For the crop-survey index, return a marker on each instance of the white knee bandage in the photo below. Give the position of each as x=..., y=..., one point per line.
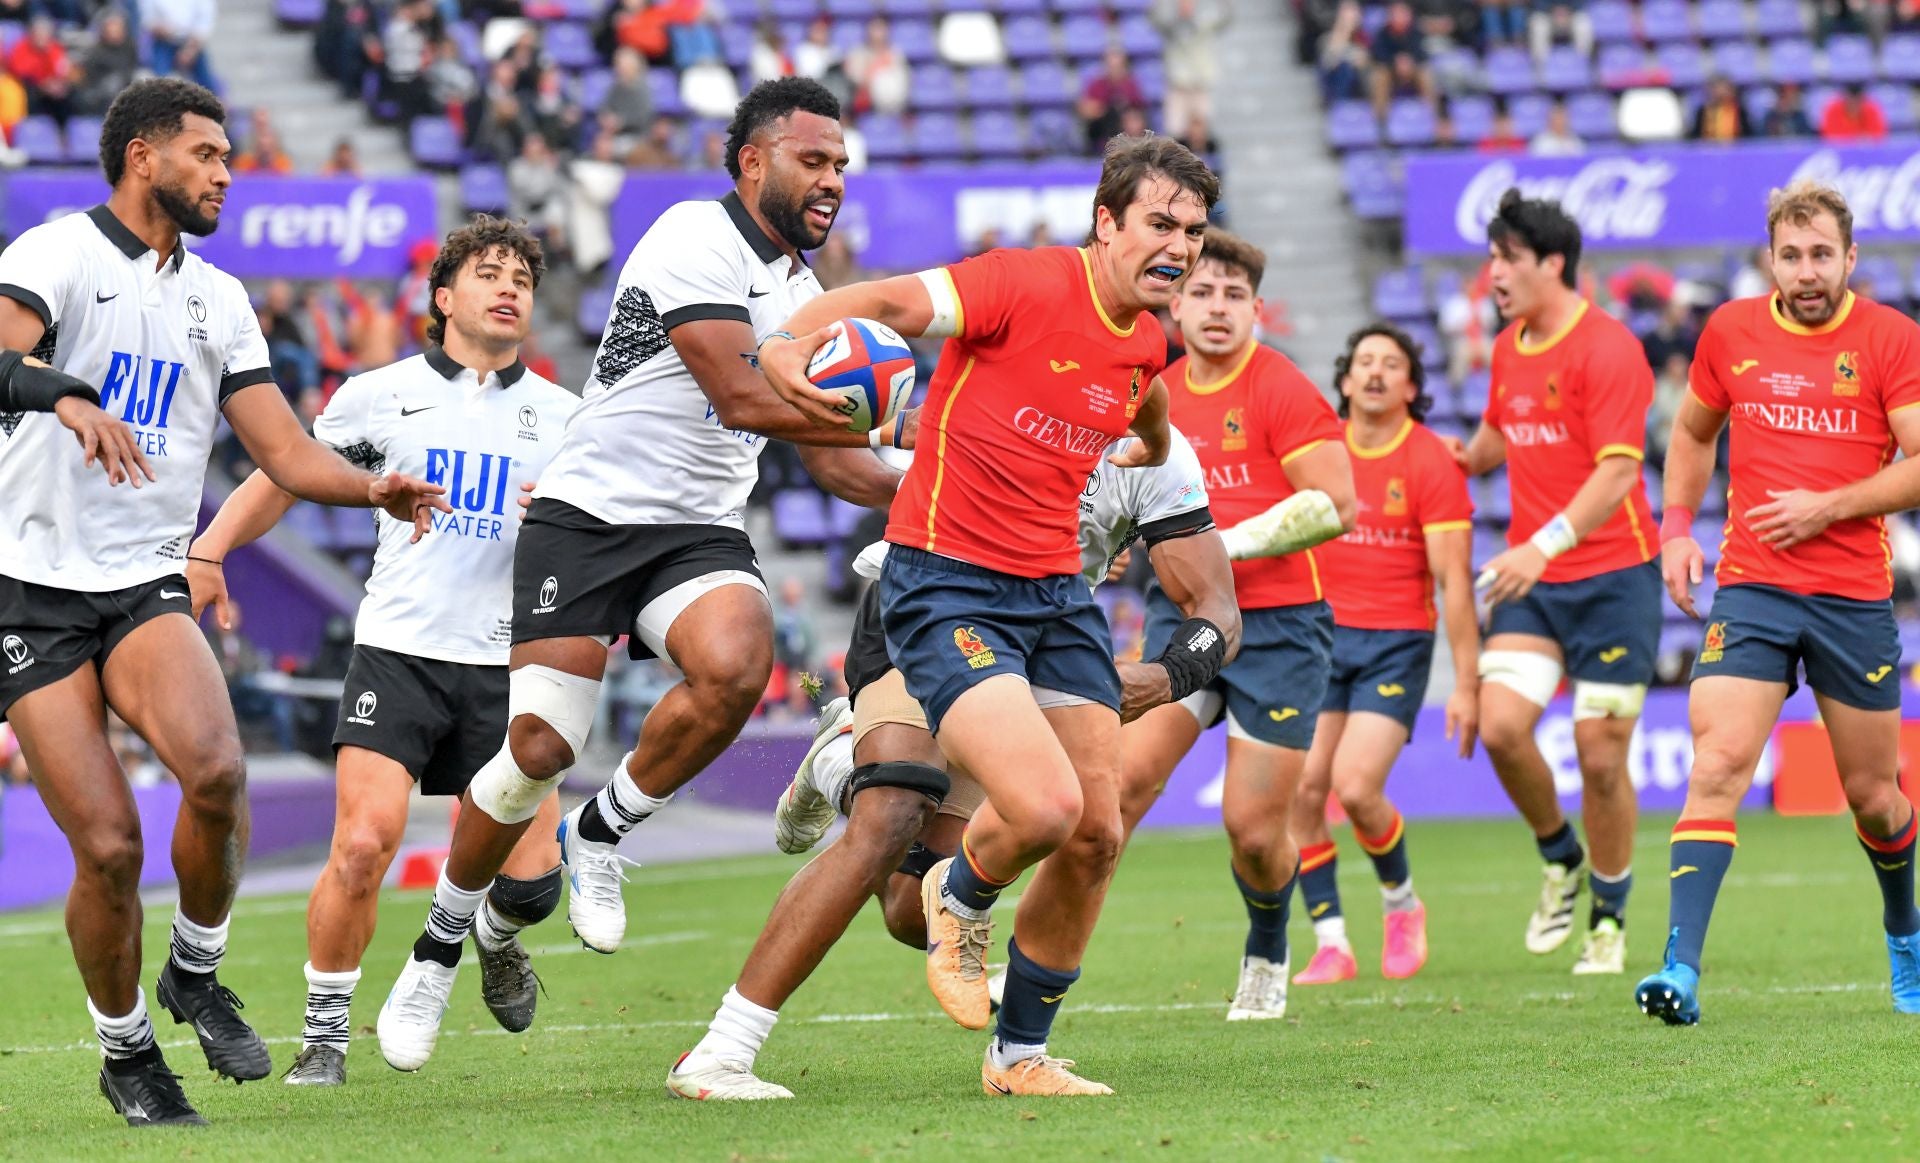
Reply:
x=564, y=702
x=1205, y=706
x=504, y=792
x=1607, y=700
x=1534, y=677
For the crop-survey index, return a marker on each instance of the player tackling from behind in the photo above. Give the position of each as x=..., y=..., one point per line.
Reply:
x=1051, y=355
x=1414, y=529
x=94, y=612
x=1576, y=593
x=426, y=692
x=1818, y=388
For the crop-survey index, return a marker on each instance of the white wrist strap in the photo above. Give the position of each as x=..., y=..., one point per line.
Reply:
x=1555, y=537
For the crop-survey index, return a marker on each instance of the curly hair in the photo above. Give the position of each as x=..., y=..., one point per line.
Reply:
x=1542, y=226
x=482, y=235
x=1416, y=370
x=771, y=101
x=152, y=110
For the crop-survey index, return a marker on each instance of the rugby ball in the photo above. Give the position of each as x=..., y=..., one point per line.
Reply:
x=870, y=367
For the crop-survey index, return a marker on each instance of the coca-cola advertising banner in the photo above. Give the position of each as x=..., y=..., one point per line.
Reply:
x=1677, y=196
x=287, y=227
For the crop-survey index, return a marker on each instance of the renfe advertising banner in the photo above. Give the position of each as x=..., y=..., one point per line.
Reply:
x=271, y=227
x=1665, y=197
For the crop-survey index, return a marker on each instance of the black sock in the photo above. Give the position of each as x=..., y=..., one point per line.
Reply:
x=594, y=826
x=445, y=952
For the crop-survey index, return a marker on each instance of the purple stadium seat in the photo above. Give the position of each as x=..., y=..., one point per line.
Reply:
x=1472, y=117
x=595, y=84
x=1791, y=60
x=1565, y=70
x=1152, y=75
x=1773, y=18
x=1084, y=38
x=40, y=139
x=588, y=10
x=1881, y=275
x=886, y=137
x=1055, y=131
x=1683, y=62
x=1126, y=6
x=1738, y=61
x=801, y=10
x=1076, y=7
x=299, y=13
x=907, y=10
x=1621, y=65
x=1044, y=85
x=915, y=40
x=1719, y=20
x=83, y=137
x=1473, y=393
x=1139, y=37
x=1759, y=101
x=1662, y=20
x=570, y=45
x=1509, y=70
x=934, y=89
x=1612, y=21
x=1461, y=64
x=433, y=141
x=1818, y=97
x=1529, y=112
x=1373, y=187
x=1351, y=125
x=1896, y=101
x=800, y=517
x=1850, y=60
x=483, y=188
x=468, y=38
x=842, y=516
x=736, y=45
x=937, y=137
x=988, y=88
x=664, y=85
x=1592, y=117
x=1409, y=123
x=1900, y=58
x=852, y=9
x=1009, y=7
x=998, y=135
x=848, y=35
x=1401, y=294
x=1028, y=38
x=10, y=33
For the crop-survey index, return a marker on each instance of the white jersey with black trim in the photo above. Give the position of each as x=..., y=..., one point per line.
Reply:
x=646, y=446
x=1119, y=505
x=448, y=596
x=166, y=343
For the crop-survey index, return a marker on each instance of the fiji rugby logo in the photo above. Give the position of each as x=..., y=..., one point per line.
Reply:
x=16, y=651
x=977, y=653
x=363, y=708
x=549, y=591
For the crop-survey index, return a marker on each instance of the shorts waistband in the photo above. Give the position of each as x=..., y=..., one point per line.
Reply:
x=921, y=559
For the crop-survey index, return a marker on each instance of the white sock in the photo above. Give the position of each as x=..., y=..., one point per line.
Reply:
x=738, y=1030
x=833, y=770
x=451, y=916
x=198, y=948
x=1399, y=898
x=964, y=912
x=329, y=996
x=492, y=928
x=622, y=804
x=1331, y=932
x=124, y=1036
x=1006, y=1053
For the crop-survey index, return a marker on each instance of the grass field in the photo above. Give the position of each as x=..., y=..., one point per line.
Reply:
x=1489, y=1053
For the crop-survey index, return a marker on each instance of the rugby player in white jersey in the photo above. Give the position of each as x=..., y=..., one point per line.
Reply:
x=94, y=612
x=637, y=528
x=906, y=808
x=426, y=693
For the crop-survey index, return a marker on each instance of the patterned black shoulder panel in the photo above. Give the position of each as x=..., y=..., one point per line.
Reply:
x=634, y=336
x=364, y=455
x=42, y=351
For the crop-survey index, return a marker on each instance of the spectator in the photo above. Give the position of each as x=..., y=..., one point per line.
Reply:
x=1502, y=22
x=593, y=182
x=1106, y=96
x=794, y=637
x=177, y=32
x=241, y=664
x=344, y=161
x=538, y=190
x=641, y=27
x=1788, y=117
x=1675, y=333
x=374, y=328
x=1503, y=138
x=1446, y=135
x=1189, y=29
x=527, y=61
x=556, y=116
x=1343, y=55
x=1853, y=117
x=692, y=31
x=878, y=72
x=451, y=84
x=713, y=152
x=108, y=65
x=1721, y=116
x=1754, y=279
x=770, y=59
x=815, y=56
x=1557, y=139
x=659, y=150
x=1669, y=389
x=263, y=153
x=1198, y=137
x=1470, y=322
x=339, y=43
x=629, y=103
x=1133, y=122
x=1831, y=16
x=404, y=50
x=835, y=265
x=39, y=61
x=1560, y=22
x=295, y=367
x=501, y=123
x=1399, y=60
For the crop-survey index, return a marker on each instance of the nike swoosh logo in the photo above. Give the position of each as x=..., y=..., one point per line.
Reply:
x=171, y=594
x=1283, y=714
x=1745, y=366
x=1681, y=871
x=1894, y=867
x=100, y=298
x=1319, y=910
x=417, y=411
x=1062, y=367
x=933, y=948
x=1877, y=675
x=1613, y=654
x=1051, y=1000
x=998, y=1087
x=752, y=294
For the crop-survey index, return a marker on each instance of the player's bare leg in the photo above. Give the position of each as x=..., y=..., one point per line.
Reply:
x=164, y=681
x=1866, y=752
x=1610, y=809
x=371, y=794
x=1150, y=748
x=1256, y=805
x=900, y=903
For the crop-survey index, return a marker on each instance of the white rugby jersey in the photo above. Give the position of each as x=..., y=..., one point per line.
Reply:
x=166, y=348
x=645, y=447
x=448, y=596
x=1119, y=504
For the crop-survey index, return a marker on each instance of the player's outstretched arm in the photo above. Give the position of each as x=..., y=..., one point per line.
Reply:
x=902, y=303
x=1485, y=452
x=1796, y=515
x=249, y=511
x=852, y=474
x=28, y=385
x=1688, y=473
x=308, y=469
x=1450, y=559
x=719, y=353
x=1196, y=576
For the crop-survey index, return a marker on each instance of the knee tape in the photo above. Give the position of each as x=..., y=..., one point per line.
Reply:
x=504, y=792
x=1607, y=700
x=1534, y=677
x=564, y=702
x=527, y=901
x=928, y=781
x=920, y=859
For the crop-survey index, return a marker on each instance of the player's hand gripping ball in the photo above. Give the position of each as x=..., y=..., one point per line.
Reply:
x=870, y=367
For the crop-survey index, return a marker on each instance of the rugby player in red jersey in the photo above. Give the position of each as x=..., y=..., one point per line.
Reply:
x=1819, y=388
x=1267, y=438
x=1051, y=354
x=1414, y=528
x=1576, y=592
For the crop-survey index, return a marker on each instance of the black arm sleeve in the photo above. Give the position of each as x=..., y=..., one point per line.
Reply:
x=26, y=387
x=1193, y=657
x=1179, y=525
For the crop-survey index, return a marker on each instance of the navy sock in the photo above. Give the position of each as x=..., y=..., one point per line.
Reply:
x=1388, y=853
x=968, y=885
x=1892, y=858
x=1609, y=897
x=1266, y=918
x=1319, y=866
x=1696, y=864
x=1031, y=999
x=1562, y=848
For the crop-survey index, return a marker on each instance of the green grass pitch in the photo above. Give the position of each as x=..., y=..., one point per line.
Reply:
x=1489, y=1054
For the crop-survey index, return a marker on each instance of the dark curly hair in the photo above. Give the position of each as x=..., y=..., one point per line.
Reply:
x=1541, y=226
x=482, y=235
x=152, y=110
x=1416, y=370
x=771, y=101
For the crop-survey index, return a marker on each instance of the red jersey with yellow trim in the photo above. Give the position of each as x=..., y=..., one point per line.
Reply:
x=1807, y=409
x=1032, y=387
x=1377, y=576
x=1245, y=428
x=1564, y=404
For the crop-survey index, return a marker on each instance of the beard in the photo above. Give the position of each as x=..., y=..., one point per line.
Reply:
x=788, y=217
x=1813, y=315
x=183, y=212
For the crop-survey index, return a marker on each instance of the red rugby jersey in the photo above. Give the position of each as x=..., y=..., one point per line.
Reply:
x=1808, y=409
x=1377, y=577
x=1031, y=389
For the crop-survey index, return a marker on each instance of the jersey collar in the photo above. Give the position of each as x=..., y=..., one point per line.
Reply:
x=1778, y=310
x=440, y=361
x=765, y=249
x=127, y=241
